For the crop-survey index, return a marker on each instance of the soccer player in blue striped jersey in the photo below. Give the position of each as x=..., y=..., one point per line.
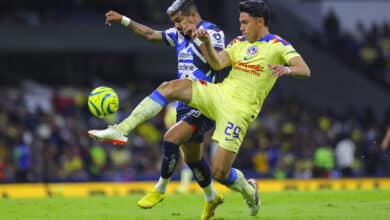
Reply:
x=258, y=59
x=191, y=124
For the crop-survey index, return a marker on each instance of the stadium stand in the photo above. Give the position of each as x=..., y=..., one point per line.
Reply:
x=67, y=50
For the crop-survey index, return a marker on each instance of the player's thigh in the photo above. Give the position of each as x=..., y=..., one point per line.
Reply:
x=230, y=129
x=192, y=151
x=222, y=162
x=205, y=97
x=179, y=133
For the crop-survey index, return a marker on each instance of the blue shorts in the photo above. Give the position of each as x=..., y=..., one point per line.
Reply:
x=200, y=123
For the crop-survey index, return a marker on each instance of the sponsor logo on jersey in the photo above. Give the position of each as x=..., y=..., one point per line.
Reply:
x=183, y=55
x=248, y=68
x=186, y=67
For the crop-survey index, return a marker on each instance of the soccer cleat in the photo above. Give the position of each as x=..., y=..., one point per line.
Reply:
x=110, y=134
x=254, y=202
x=209, y=207
x=151, y=199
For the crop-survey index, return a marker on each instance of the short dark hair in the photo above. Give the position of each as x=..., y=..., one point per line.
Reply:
x=185, y=6
x=256, y=8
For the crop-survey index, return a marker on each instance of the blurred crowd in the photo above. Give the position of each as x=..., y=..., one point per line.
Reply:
x=43, y=139
x=37, y=12
x=366, y=49
x=47, y=11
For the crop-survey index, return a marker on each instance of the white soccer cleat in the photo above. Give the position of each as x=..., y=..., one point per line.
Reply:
x=110, y=134
x=254, y=200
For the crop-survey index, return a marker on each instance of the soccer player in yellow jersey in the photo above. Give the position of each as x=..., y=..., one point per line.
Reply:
x=258, y=59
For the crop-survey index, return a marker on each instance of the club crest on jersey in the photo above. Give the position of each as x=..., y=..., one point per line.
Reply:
x=252, y=50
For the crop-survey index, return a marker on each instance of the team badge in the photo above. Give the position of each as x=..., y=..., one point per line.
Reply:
x=252, y=50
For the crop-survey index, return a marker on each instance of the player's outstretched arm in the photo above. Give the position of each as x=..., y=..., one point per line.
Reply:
x=218, y=60
x=141, y=30
x=297, y=68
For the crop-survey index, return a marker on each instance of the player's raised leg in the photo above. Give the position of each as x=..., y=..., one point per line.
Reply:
x=146, y=109
x=234, y=179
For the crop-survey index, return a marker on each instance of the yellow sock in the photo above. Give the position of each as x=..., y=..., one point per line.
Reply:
x=145, y=110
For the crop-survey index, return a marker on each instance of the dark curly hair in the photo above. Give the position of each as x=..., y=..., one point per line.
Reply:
x=256, y=8
x=185, y=6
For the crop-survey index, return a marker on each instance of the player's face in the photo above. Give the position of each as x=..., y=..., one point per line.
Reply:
x=181, y=21
x=250, y=26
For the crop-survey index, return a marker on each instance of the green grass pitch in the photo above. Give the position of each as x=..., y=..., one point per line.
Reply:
x=324, y=204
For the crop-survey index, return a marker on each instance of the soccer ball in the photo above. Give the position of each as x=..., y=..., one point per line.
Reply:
x=103, y=101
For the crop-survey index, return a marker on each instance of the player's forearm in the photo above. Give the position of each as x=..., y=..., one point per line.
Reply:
x=143, y=31
x=301, y=71
x=298, y=68
x=212, y=57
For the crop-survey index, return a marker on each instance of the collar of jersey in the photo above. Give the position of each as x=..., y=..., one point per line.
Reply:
x=267, y=38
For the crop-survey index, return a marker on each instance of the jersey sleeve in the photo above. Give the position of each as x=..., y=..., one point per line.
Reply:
x=217, y=38
x=288, y=52
x=231, y=48
x=170, y=37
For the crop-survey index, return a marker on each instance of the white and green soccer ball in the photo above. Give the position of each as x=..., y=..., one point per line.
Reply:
x=103, y=101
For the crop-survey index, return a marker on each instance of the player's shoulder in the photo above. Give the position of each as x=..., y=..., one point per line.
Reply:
x=237, y=40
x=171, y=30
x=275, y=39
x=210, y=26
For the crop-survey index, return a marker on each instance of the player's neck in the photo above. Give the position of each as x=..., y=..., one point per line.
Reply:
x=262, y=33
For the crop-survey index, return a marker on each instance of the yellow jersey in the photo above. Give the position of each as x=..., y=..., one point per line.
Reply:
x=250, y=79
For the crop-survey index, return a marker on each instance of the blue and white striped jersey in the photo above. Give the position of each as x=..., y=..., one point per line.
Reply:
x=190, y=62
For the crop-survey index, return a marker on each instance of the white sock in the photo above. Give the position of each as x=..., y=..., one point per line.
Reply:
x=209, y=192
x=162, y=184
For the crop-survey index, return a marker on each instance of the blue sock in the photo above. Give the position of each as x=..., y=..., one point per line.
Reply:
x=157, y=97
x=170, y=158
x=231, y=179
x=201, y=172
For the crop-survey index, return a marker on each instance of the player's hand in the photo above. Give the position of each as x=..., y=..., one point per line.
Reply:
x=189, y=29
x=113, y=16
x=279, y=70
x=202, y=34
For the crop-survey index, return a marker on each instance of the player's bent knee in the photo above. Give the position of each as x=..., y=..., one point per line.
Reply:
x=165, y=89
x=172, y=137
x=181, y=89
x=173, y=89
